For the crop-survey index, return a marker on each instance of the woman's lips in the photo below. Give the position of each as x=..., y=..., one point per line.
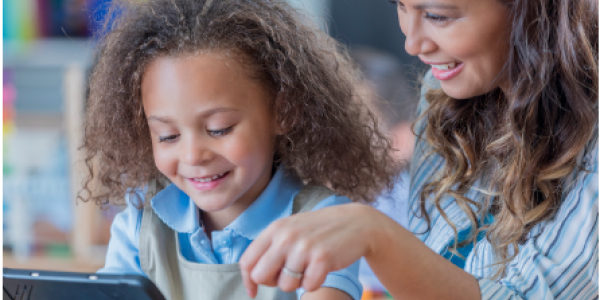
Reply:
x=447, y=74
x=208, y=184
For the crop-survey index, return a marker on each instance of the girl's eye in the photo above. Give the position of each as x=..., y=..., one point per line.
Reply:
x=436, y=18
x=220, y=132
x=168, y=139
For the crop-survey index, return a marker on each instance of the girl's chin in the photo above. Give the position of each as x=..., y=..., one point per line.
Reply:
x=212, y=206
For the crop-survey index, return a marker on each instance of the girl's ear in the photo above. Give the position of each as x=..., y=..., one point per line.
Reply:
x=277, y=126
x=279, y=130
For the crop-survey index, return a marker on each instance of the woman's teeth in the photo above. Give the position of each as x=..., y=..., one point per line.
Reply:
x=215, y=177
x=445, y=67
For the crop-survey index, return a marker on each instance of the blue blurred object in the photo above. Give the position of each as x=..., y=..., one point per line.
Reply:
x=25, y=20
x=396, y=207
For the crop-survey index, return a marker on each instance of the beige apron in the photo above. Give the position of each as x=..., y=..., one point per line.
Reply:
x=179, y=279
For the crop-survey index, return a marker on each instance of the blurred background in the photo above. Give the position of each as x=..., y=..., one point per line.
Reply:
x=47, y=46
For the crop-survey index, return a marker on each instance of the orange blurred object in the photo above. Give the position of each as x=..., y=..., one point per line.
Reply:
x=373, y=295
x=8, y=113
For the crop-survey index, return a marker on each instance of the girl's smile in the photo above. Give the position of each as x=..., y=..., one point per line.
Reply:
x=208, y=183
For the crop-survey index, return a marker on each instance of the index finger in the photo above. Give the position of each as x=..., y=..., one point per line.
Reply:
x=250, y=257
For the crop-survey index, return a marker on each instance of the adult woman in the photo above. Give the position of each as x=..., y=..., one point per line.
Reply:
x=507, y=149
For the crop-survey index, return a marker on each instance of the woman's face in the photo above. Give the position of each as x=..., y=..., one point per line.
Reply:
x=465, y=41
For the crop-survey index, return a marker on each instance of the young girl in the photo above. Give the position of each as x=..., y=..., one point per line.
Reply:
x=215, y=119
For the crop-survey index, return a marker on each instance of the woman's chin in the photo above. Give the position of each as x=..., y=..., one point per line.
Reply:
x=457, y=92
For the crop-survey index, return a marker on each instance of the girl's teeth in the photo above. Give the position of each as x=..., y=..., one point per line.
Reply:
x=209, y=179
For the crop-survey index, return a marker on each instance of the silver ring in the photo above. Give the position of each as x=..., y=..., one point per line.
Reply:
x=288, y=272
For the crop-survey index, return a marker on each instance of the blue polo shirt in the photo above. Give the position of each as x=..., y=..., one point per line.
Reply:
x=178, y=211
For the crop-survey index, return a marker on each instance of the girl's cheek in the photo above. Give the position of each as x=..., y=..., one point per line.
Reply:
x=164, y=162
x=248, y=151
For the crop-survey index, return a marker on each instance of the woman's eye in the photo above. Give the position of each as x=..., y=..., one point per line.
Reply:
x=436, y=18
x=397, y=3
x=168, y=139
x=220, y=132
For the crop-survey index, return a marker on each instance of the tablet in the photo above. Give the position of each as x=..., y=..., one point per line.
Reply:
x=49, y=285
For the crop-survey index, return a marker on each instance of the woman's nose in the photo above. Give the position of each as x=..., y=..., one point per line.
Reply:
x=417, y=46
x=417, y=42
x=196, y=153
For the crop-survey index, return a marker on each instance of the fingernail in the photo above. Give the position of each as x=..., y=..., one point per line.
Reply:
x=248, y=292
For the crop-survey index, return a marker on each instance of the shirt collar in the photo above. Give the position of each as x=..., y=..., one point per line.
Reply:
x=178, y=211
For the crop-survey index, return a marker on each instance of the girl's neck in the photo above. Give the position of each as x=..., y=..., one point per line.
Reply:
x=218, y=220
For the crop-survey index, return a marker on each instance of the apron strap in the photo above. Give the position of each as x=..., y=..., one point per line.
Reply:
x=148, y=219
x=309, y=197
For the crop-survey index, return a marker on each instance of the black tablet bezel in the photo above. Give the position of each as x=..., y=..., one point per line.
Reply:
x=82, y=280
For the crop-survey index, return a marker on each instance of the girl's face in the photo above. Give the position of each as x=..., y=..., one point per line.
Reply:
x=212, y=129
x=465, y=41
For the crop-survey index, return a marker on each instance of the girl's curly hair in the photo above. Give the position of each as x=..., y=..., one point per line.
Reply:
x=330, y=137
x=526, y=139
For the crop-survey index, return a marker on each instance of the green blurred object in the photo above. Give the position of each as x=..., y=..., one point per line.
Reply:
x=58, y=250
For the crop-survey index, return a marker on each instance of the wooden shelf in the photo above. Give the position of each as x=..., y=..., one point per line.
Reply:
x=49, y=264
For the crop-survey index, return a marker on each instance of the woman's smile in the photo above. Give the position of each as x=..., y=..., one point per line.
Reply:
x=445, y=71
x=465, y=42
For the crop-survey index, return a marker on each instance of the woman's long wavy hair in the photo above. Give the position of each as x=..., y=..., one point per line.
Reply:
x=330, y=137
x=525, y=139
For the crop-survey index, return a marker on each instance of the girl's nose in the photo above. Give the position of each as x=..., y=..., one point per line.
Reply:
x=195, y=153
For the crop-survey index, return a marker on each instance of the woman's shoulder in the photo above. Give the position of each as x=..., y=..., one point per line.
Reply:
x=586, y=166
x=589, y=156
x=427, y=83
x=423, y=156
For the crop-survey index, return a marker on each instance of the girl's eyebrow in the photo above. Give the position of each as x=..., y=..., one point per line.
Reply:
x=215, y=110
x=159, y=119
x=204, y=114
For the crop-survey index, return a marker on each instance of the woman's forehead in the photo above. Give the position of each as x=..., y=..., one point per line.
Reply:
x=446, y=4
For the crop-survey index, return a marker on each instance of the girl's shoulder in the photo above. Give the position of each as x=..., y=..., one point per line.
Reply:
x=320, y=197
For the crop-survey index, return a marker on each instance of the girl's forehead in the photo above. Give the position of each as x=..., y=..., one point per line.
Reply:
x=200, y=81
x=239, y=62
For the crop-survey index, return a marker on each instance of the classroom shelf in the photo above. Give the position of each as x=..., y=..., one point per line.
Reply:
x=49, y=264
x=50, y=79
